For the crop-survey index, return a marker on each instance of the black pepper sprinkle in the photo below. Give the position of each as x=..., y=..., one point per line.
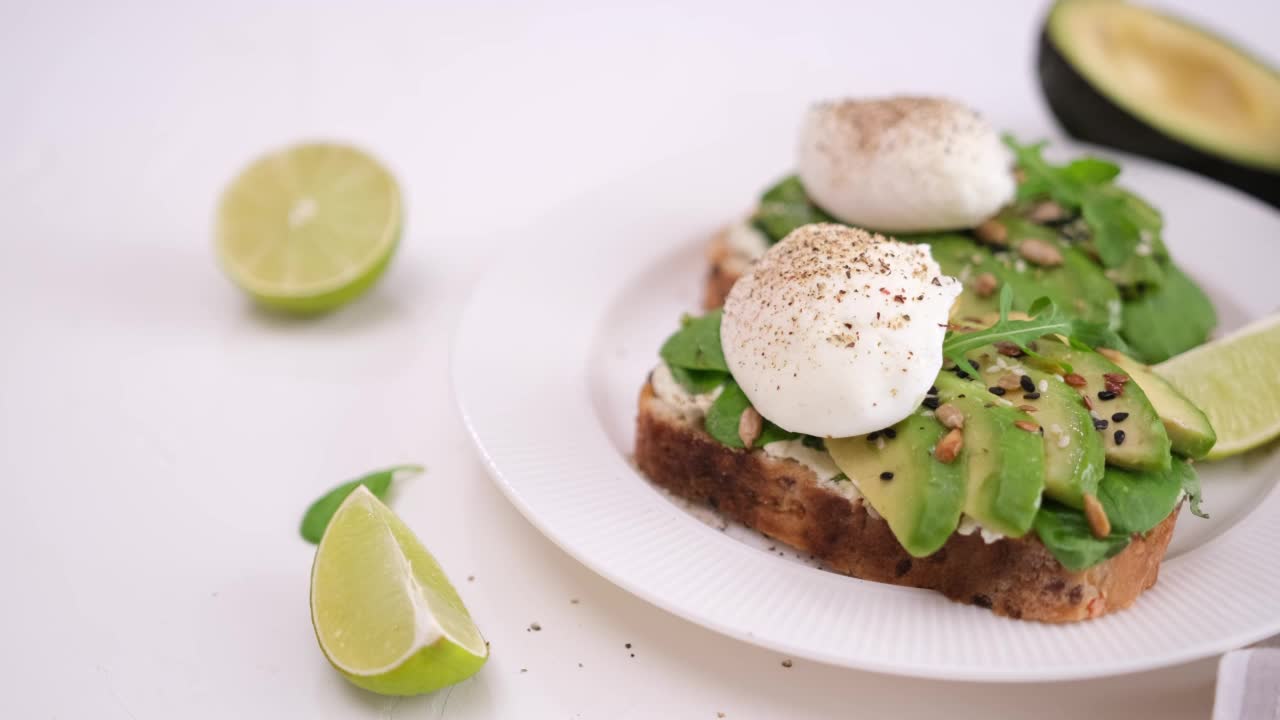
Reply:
x=1120, y=416
x=1100, y=424
x=996, y=390
x=1027, y=383
x=786, y=663
x=1119, y=436
x=886, y=475
x=1031, y=396
x=1106, y=395
x=628, y=646
x=890, y=433
x=932, y=403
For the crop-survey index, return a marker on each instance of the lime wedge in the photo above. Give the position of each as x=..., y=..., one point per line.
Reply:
x=308, y=228
x=384, y=613
x=1236, y=382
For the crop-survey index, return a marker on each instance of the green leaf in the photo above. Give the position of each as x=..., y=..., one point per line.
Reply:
x=785, y=207
x=1065, y=532
x=1091, y=335
x=1091, y=170
x=1046, y=321
x=1067, y=190
x=772, y=433
x=698, y=382
x=1191, y=485
x=1137, y=501
x=1168, y=320
x=725, y=413
x=1115, y=233
x=321, y=511
x=696, y=345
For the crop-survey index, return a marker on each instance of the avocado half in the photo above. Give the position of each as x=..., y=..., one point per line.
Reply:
x=1125, y=76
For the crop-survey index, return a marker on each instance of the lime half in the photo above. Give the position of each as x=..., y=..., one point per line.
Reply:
x=384, y=613
x=1236, y=382
x=310, y=227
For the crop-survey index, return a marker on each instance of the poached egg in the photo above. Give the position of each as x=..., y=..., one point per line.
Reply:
x=836, y=331
x=904, y=164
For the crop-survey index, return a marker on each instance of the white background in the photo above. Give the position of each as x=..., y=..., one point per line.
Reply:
x=159, y=438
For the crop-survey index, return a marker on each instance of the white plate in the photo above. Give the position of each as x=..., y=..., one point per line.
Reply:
x=557, y=340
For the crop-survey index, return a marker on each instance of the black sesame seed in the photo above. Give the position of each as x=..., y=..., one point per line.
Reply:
x=886, y=475
x=931, y=402
x=1119, y=436
x=873, y=436
x=933, y=390
x=1106, y=395
x=962, y=374
x=1027, y=383
x=1099, y=424
x=890, y=433
x=974, y=364
x=1031, y=396
x=995, y=390
x=1120, y=416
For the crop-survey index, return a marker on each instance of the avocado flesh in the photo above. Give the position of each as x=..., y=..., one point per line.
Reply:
x=1146, y=443
x=1005, y=464
x=1077, y=286
x=1128, y=77
x=923, y=501
x=1190, y=433
x=1074, y=455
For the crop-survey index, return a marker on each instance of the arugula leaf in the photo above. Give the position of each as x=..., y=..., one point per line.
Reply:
x=1168, y=320
x=317, y=517
x=1065, y=532
x=1191, y=485
x=1137, y=501
x=1046, y=320
x=785, y=207
x=696, y=345
x=698, y=381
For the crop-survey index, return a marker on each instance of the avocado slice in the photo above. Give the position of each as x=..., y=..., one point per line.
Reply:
x=1074, y=455
x=1190, y=433
x=1005, y=463
x=1138, y=80
x=1078, y=286
x=918, y=496
x=1133, y=435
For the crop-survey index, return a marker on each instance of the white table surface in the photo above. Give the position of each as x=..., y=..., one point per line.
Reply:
x=159, y=438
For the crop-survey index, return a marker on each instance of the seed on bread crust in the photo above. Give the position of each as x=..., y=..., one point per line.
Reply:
x=750, y=425
x=1027, y=425
x=1009, y=381
x=949, y=446
x=1099, y=524
x=1040, y=252
x=1074, y=380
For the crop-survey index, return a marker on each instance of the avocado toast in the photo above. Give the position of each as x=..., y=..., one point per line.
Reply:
x=1001, y=461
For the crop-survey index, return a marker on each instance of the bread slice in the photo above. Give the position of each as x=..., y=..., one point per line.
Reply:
x=785, y=500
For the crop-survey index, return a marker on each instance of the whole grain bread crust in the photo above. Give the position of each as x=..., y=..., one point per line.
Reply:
x=783, y=499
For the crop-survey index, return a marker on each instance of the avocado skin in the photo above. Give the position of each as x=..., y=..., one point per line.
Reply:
x=1085, y=113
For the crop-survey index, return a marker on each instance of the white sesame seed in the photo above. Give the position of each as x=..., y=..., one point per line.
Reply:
x=1044, y=386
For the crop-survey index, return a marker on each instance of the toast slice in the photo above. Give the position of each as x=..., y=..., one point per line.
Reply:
x=785, y=500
